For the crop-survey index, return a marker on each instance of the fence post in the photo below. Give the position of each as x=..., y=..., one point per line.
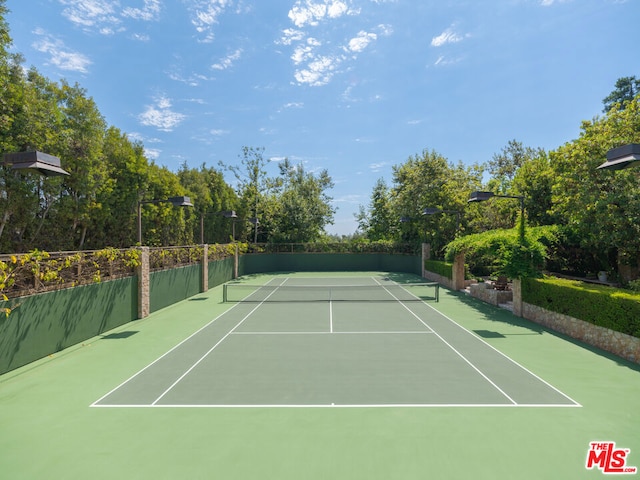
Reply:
x=235, y=262
x=426, y=255
x=516, y=286
x=142, y=271
x=205, y=269
x=458, y=272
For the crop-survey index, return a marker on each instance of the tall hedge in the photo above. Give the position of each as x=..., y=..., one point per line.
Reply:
x=444, y=269
x=607, y=307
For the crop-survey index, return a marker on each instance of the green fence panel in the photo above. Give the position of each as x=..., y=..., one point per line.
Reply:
x=401, y=263
x=220, y=271
x=328, y=262
x=167, y=287
x=49, y=322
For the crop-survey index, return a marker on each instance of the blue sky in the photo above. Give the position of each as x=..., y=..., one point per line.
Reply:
x=351, y=86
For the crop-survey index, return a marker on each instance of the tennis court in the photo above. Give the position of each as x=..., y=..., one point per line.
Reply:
x=335, y=375
x=351, y=342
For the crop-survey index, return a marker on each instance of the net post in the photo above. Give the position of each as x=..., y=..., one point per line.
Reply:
x=437, y=292
x=224, y=293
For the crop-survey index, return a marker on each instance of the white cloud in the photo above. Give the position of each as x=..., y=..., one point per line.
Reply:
x=106, y=16
x=359, y=43
x=150, y=11
x=376, y=167
x=216, y=132
x=385, y=30
x=228, y=60
x=308, y=12
x=152, y=153
x=305, y=51
x=205, y=15
x=320, y=56
x=141, y=37
x=91, y=13
x=546, y=3
x=443, y=60
x=291, y=35
x=319, y=71
x=448, y=36
x=60, y=55
x=161, y=116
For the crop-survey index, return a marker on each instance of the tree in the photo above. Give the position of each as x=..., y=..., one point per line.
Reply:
x=626, y=90
x=125, y=161
x=600, y=209
x=534, y=179
x=253, y=186
x=210, y=196
x=429, y=180
x=303, y=208
x=379, y=221
x=81, y=141
x=504, y=165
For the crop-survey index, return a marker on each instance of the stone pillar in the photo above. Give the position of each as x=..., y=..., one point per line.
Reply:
x=516, y=286
x=426, y=255
x=142, y=272
x=458, y=272
x=205, y=269
x=235, y=262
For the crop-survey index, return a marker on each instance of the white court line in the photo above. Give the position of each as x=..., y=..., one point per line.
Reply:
x=389, y=405
x=330, y=316
x=509, y=358
x=166, y=353
x=454, y=349
x=212, y=348
x=504, y=355
x=366, y=332
x=402, y=303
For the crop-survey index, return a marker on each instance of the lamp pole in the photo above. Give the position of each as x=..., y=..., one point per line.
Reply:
x=434, y=211
x=483, y=196
x=181, y=201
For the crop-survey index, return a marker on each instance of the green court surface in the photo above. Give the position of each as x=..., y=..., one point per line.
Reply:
x=387, y=386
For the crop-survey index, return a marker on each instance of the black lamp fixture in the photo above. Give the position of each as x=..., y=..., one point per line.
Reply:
x=622, y=157
x=483, y=196
x=181, y=201
x=34, y=161
x=435, y=211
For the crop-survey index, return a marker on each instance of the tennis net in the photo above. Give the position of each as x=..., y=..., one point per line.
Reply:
x=411, y=292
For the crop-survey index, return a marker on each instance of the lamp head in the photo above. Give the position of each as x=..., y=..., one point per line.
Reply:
x=181, y=201
x=480, y=196
x=622, y=157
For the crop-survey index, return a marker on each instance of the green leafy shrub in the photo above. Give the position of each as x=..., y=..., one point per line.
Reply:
x=501, y=252
x=444, y=269
x=607, y=307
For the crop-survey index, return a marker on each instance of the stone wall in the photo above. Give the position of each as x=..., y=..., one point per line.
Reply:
x=624, y=346
x=486, y=293
x=434, y=277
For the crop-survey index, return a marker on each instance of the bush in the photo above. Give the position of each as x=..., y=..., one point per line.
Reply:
x=444, y=269
x=500, y=252
x=607, y=307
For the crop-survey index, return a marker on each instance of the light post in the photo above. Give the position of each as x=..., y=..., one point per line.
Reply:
x=435, y=211
x=232, y=215
x=483, y=196
x=255, y=222
x=181, y=201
